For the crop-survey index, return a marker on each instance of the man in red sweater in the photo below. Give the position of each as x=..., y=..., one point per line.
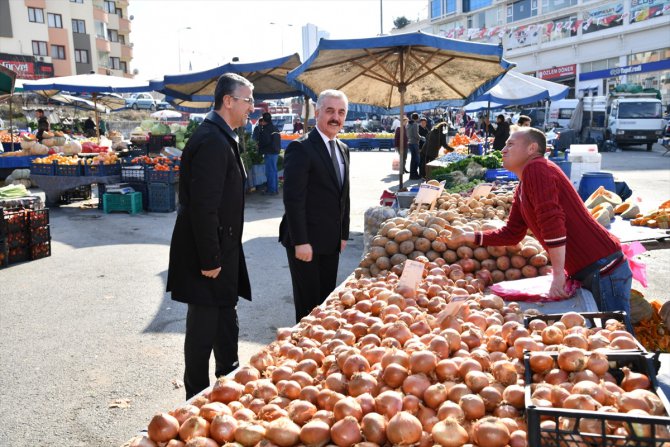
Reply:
x=546, y=203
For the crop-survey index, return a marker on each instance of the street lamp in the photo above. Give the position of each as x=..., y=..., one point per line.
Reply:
x=179, y=43
x=281, y=25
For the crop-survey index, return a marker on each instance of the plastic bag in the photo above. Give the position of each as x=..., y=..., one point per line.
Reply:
x=475, y=171
x=395, y=165
x=638, y=268
x=535, y=290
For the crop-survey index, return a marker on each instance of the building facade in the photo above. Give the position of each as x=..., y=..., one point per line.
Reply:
x=589, y=45
x=45, y=38
x=311, y=35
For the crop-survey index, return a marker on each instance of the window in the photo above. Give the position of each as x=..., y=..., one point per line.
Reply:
x=101, y=30
x=103, y=59
x=112, y=35
x=110, y=7
x=36, y=15
x=77, y=1
x=55, y=20
x=472, y=5
x=521, y=9
x=647, y=56
x=78, y=26
x=435, y=9
x=603, y=64
x=124, y=67
x=115, y=63
x=81, y=56
x=122, y=39
x=560, y=29
x=57, y=52
x=119, y=12
x=640, y=110
x=555, y=5
x=39, y=48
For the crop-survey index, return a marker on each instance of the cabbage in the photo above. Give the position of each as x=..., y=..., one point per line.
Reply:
x=176, y=127
x=181, y=145
x=179, y=136
x=159, y=129
x=147, y=124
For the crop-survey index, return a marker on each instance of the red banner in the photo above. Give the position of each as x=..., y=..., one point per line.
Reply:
x=558, y=72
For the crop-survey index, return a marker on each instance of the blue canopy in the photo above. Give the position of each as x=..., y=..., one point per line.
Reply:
x=86, y=83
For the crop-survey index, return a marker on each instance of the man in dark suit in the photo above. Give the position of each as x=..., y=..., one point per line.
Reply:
x=315, y=226
x=207, y=267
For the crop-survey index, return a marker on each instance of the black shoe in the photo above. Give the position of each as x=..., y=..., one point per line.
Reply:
x=414, y=177
x=406, y=171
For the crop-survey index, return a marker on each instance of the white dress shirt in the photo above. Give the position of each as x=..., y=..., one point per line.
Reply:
x=338, y=153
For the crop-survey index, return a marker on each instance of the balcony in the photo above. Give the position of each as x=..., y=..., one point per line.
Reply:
x=102, y=45
x=100, y=15
x=124, y=26
x=126, y=53
x=42, y=4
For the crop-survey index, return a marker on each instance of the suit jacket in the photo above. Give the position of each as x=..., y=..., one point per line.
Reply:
x=316, y=208
x=208, y=230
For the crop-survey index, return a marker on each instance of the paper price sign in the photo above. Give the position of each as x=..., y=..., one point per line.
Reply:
x=481, y=190
x=412, y=274
x=428, y=193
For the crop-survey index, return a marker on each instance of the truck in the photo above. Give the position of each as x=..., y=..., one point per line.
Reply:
x=141, y=101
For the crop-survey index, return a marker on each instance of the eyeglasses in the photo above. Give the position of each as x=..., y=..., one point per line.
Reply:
x=249, y=100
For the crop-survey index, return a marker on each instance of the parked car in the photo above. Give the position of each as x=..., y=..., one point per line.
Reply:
x=163, y=105
x=141, y=101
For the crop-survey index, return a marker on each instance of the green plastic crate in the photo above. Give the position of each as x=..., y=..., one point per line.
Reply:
x=130, y=203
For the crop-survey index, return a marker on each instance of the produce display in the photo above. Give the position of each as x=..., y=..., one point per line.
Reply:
x=155, y=161
x=464, y=164
x=659, y=218
x=105, y=158
x=59, y=159
x=6, y=137
x=13, y=192
x=651, y=330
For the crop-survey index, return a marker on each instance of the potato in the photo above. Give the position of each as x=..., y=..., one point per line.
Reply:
x=513, y=249
x=438, y=246
x=489, y=264
x=430, y=234
x=416, y=254
x=432, y=255
x=393, y=232
x=403, y=235
x=422, y=244
x=528, y=271
x=374, y=270
x=398, y=259
x=436, y=221
x=496, y=251
x=538, y=260
x=518, y=261
x=416, y=229
x=385, y=228
x=450, y=256
x=366, y=262
x=391, y=248
x=379, y=241
x=376, y=252
x=464, y=252
x=481, y=253
x=383, y=263
x=497, y=276
x=406, y=247
x=528, y=251
x=397, y=269
x=544, y=270
x=503, y=263
x=513, y=274
x=452, y=244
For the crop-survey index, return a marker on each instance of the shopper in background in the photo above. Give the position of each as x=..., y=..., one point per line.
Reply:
x=89, y=127
x=396, y=123
x=437, y=139
x=207, y=267
x=413, y=139
x=396, y=143
x=501, y=132
x=524, y=121
x=423, y=135
x=315, y=226
x=42, y=124
x=268, y=138
x=298, y=127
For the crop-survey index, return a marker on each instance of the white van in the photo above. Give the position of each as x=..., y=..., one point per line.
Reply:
x=561, y=111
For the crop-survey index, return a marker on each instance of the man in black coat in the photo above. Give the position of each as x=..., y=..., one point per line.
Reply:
x=268, y=138
x=207, y=267
x=315, y=226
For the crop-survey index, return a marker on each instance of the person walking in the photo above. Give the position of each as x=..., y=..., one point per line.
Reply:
x=501, y=132
x=268, y=138
x=207, y=267
x=396, y=143
x=423, y=135
x=546, y=203
x=42, y=124
x=413, y=138
x=315, y=226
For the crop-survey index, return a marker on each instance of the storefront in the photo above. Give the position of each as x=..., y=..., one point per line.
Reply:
x=565, y=74
x=26, y=67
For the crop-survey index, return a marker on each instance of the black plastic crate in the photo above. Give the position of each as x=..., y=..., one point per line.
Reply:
x=69, y=170
x=40, y=234
x=76, y=194
x=162, y=197
x=156, y=143
x=567, y=422
x=4, y=254
x=42, y=168
x=132, y=173
x=593, y=320
x=41, y=250
x=39, y=218
x=18, y=239
x=102, y=170
x=18, y=254
x=143, y=188
x=14, y=221
x=154, y=176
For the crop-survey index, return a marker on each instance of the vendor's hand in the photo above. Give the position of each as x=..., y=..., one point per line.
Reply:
x=463, y=238
x=665, y=313
x=303, y=252
x=557, y=289
x=343, y=245
x=211, y=273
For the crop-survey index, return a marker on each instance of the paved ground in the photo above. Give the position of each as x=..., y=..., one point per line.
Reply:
x=90, y=346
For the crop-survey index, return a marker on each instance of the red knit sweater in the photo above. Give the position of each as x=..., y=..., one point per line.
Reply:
x=546, y=203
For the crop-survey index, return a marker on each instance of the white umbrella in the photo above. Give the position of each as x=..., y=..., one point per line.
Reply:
x=166, y=114
x=517, y=89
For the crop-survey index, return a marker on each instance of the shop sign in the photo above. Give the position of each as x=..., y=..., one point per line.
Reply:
x=604, y=17
x=641, y=10
x=564, y=71
x=626, y=70
x=26, y=67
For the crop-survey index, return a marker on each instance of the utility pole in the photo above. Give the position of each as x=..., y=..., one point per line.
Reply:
x=381, y=18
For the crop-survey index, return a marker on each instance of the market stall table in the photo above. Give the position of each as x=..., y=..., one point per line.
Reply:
x=54, y=186
x=626, y=232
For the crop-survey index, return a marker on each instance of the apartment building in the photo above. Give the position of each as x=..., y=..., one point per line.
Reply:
x=589, y=45
x=46, y=38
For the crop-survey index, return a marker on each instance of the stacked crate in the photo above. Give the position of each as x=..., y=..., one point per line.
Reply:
x=162, y=189
x=134, y=176
x=24, y=235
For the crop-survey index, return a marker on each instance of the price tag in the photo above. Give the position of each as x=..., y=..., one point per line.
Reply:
x=412, y=274
x=481, y=190
x=452, y=308
x=429, y=193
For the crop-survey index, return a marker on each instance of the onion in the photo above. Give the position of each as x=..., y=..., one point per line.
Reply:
x=222, y=428
x=506, y=411
x=518, y=438
x=261, y=360
x=589, y=388
x=373, y=427
x=184, y=412
x=467, y=365
x=416, y=384
x=283, y=432
x=515, y=396
x=315, y=433
x=541, y=362
x=309, y=393
x=249, y=434
x=289, y=389
x=492, y=397
x=457, y=391
x=362, y=383
x=597, y=363
x=395, y=356
x=446, y=369
x=163, y=427
x=174, y=443
x=581, y=402
x=271, y=412
x=208, y=411
x=422, y=362
x=473, y=406
x=552, y=335
x=142, y=441
x=490, y=432
x=572, y=319
x=450, y=409
x=634, y=381
x=556, y=376
x=496, y=343
x=355, y=363
x=192, y=427
x=336, y=382
x=631, y=401
x=346, y=433
x=476, y=381
x=571, y=359
x=247, y=374
x=325, y=416
x=244, y=414
x=641, y=430
x=280, y=373
x=347, y=407
x=403, y=429
x=504, y=372
x=576, y=341
x=394, y=375
x=450, y=433
x=440, y=346
x=388, y=403
x=435, y=395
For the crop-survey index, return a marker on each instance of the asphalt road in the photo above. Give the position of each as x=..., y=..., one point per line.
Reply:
x=91, y=346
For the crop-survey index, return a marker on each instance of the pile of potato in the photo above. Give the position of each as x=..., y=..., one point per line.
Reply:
x=429, y=233
x=493, y=206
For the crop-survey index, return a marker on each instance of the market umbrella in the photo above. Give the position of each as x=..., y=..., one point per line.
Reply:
x=77, y=102
x=165, y=114
x=517, y=88
x=96, y=85
x=577, y=117
x=392, y=71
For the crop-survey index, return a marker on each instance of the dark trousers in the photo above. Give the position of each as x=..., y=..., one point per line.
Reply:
x=312, y=281
x=414, y=162
x=209, y=328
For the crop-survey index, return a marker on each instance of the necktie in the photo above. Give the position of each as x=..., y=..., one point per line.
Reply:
x=336, y=164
